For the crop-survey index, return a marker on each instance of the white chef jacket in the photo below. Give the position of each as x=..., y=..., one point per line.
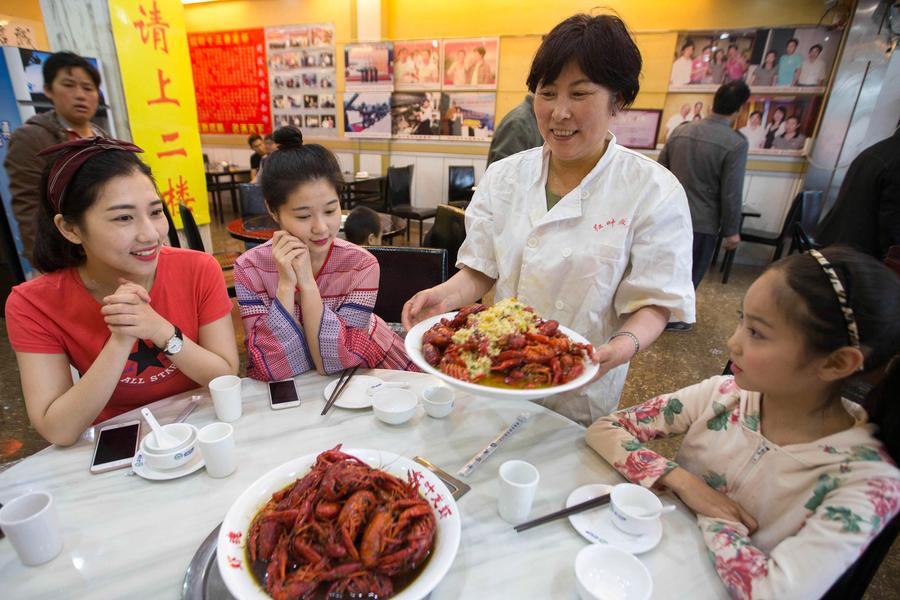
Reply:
x=619, y=241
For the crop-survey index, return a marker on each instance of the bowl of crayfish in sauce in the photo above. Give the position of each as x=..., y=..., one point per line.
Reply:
x=501, y=351
x=344, y=523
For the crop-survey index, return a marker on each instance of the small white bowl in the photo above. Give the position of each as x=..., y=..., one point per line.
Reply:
x=180, y=431
x=394, y=406
x=606, y=573
x=438, y=401
x=163, y=460
x=628, y=503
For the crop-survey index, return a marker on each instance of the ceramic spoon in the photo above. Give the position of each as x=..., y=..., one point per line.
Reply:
x=163, y=439
x=658, y=512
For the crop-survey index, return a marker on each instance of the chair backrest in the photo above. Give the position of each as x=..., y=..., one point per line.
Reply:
x=449, y=232
x=191, y=231
x=810, y=211
x=461, y=181
x=399, y=186
x=405, y=271
x=252, y=201
x=793, y=216
x=853, y=583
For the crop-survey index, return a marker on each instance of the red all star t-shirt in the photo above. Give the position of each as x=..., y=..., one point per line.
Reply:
x=55, y=314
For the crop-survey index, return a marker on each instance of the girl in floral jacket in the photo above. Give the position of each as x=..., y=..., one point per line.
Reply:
x=790, y=482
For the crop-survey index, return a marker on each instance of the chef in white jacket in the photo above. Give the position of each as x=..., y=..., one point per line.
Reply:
x=587, y=232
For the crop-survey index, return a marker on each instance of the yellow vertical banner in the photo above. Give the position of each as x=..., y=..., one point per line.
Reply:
x=152, y=47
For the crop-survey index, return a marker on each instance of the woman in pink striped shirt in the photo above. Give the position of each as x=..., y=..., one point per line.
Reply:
x=306, y=297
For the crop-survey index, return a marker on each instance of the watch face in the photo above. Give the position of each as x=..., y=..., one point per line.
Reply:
x=174, y=346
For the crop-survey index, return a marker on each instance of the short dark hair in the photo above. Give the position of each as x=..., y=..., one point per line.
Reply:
x=795, y=40
x=268, y=137
x=480, y=50
x=52, y=251
x=252, y=139
x=688, y=43
x=68, y=60
x=730, y=97
x=755, y=112
x=360, y=224
x=730, y=46
x=293, y=165
x=819, y=46
x=603, y=48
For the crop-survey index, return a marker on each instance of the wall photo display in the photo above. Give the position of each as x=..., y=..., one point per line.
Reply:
x=417, y=65
x=470, y=64
x=302, y=77
x=468, y=115
x=367, y=114
x=636, y=128
x=369, y=66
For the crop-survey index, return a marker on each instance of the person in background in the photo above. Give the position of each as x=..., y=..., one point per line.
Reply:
x=73, y=86
x=766, y=73
x=790, y=482
x=587, y=232
x=270, y=146
x=735, y=66
x=683, y=116
x=405, y=67
x=269, y=143
x=255, y=142
x=137, y=319
x=791, y=139
x=709, y=158
x=716, y=72
x=775, y=127
x=306, y=296
x=698, y=110
x=518, y=131
x=682, y=66
x=812, y=71
x=479, y=72
x=754, y=131
x=866, y=213
x=456, y=72
x=789, y=64
x=700, y=65
x=363, y=227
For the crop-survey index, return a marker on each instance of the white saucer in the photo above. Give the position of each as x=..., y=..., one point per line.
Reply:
x=355, y=395
x=141, y=469
x=596, y=526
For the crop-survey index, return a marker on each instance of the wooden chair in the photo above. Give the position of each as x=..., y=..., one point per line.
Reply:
x=449, y=232
x=195, y=242
x=405, y=271
x=399, y=199
x=461, y=182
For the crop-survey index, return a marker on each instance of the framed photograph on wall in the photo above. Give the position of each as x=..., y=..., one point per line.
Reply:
x=779, y=124
x=468, y=115
x=417, y=65
x=369, y=66
x=367, y=114
x=415, y=114
x=470, y=64
x=682, y=108
x=705, y=60
x=636, y=128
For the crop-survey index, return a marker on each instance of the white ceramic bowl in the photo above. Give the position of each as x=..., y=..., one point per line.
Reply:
x=394, y=406
x=414, y=350
x=607, y=573
x=180, y=431
x=628, y=503
x=437, y=400
x=233, y=535
x=170, y=459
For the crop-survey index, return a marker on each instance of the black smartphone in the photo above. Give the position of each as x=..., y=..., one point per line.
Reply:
x=116, y=446
x=283, y=394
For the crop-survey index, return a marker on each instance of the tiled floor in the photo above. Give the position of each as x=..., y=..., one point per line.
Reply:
x=674, y=361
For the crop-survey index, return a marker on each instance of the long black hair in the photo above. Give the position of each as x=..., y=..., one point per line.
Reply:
x=52, y=251
x=294, y=164
x=873, y=292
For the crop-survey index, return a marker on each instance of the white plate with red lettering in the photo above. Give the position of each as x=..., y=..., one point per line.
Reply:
x=231, y=547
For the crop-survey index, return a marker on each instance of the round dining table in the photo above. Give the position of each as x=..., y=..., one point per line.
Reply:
x=125, y=536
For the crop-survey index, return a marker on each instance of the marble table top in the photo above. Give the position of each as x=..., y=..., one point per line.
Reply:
x=128, y=537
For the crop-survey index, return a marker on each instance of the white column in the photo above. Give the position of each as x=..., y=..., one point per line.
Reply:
x=368, y=20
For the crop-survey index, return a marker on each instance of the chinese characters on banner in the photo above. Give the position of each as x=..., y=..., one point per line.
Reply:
x=151, y=43
x=231, y=81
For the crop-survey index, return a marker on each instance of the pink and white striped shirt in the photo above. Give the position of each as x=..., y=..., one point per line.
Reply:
x=349, y=335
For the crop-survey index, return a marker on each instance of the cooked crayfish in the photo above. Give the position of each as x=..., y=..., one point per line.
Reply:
x=344, y=529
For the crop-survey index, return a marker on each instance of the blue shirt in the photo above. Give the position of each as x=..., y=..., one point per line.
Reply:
x=787, y=66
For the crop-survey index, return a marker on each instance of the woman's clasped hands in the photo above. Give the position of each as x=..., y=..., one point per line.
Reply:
x=292, y=260
x=128, y=314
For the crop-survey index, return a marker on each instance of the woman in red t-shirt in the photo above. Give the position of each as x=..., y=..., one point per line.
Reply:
x=138, y=320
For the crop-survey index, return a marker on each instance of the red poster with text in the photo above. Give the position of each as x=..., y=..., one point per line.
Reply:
x=231, y=81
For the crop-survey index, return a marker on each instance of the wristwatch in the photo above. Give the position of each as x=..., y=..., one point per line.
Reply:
x=175, y=343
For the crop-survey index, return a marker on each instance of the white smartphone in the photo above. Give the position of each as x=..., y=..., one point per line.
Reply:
x=116, y=446
x=283, y=394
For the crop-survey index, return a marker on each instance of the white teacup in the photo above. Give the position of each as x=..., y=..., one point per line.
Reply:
x=226, y=396
x=437, y=400
x=518, y=484
x=628, y=505
x=216, y=442
x=32, y=526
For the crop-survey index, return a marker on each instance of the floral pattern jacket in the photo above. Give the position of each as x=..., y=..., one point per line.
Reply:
x=818, y=504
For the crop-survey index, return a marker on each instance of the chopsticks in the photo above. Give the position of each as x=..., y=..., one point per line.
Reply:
x=575, y=508
x=339, y=388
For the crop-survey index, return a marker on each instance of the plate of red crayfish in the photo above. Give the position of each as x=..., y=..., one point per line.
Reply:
x=344, y=523
x=503, y=351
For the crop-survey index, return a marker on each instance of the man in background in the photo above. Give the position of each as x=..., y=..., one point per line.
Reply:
x=517, y=131
x=789, y=64
x=255, y=142
x=709, y=158
x=73, y=86
x=812, y=70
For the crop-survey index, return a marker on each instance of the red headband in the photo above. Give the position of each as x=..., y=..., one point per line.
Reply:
x=71, y=156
